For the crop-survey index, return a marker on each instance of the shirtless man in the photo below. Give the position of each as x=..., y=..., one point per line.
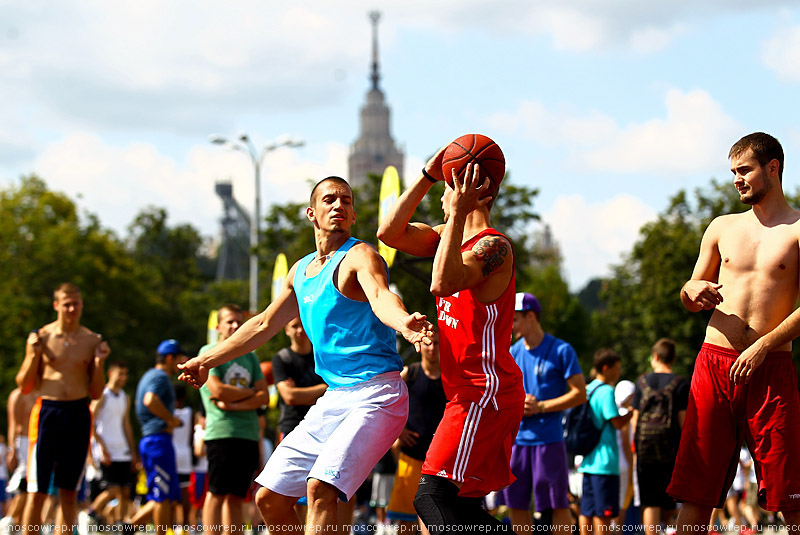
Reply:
x=19, y=412
x=473, y=281
x=744, y=385
x=64, y=363
x=341, y=293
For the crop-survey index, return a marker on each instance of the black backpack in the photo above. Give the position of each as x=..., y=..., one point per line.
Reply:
x=581, y=435
x=656, y=437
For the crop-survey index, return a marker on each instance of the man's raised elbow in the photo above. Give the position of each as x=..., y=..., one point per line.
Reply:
x=441, y=289
x=385, y=235
x=24, y=387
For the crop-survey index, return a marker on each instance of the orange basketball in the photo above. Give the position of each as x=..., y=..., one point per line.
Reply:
x=474, y=148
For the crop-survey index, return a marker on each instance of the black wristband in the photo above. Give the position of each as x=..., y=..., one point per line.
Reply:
x=428, y=176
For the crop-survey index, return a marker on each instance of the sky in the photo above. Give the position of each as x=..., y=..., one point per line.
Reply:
x=608, y=107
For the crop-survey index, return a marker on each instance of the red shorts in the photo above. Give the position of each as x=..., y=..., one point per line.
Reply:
x=473, y=446
x=765, y=413
x=198, y=487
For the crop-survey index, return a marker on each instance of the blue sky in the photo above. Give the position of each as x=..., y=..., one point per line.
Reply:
x=609, y=107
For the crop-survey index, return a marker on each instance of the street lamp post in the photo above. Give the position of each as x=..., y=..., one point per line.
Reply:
x=245, y=145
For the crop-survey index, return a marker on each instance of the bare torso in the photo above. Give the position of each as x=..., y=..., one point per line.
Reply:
x=67, y=362
x=759, y=270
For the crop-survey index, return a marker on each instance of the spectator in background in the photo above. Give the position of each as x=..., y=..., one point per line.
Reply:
x=19, y=412
x=114, y=446
x=426, y=402
x=231, y=397
x=659, y=409
x=155, y=406
x=198, y=482
x=298, y=384
x=182, y=437
x=623, y=395
x=553, y=383
x=600, y=468
x=64, y=361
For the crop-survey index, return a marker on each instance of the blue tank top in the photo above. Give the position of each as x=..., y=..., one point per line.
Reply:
x=351, y=344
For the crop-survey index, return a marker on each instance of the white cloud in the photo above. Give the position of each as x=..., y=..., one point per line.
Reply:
x=554, y=125
x=117, y=182
x=781, y=53
x=652, y=38
x=594, y=235
x=691, y=138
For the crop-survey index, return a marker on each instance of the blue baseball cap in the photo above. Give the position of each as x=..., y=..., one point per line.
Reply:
x=169, y=347
x=526, y=301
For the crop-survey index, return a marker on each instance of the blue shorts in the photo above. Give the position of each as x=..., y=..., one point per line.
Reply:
x=600, y=495
x=158, y=459
x=59, y=441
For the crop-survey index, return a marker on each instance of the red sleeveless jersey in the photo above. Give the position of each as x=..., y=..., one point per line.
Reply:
x=474, y=341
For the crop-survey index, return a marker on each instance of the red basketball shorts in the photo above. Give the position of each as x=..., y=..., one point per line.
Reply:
x=472, y=446
x=765, y=413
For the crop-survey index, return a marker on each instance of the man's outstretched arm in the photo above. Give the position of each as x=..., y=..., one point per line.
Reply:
x=254, y=333
x=387, y=306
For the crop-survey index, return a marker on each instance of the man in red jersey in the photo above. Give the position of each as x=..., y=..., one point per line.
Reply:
x=473, y=281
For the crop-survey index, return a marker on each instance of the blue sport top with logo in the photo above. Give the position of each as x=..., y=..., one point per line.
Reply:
x=351, y=344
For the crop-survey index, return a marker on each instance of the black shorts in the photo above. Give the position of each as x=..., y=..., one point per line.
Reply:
x=58, y=444
x=653, y=480
x=232, y=465
x=116, y=474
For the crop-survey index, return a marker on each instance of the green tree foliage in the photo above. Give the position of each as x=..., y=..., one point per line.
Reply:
x=136, y=291
x=43, y=242
x=642, y=302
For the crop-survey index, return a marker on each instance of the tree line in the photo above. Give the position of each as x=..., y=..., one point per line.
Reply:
x=157, y=280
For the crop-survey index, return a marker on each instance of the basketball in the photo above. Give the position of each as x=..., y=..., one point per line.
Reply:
x=474, y=148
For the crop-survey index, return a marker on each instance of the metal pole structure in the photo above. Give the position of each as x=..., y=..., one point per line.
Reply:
x=245, y=145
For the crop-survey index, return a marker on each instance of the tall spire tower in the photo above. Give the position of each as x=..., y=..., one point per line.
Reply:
x=375, y=148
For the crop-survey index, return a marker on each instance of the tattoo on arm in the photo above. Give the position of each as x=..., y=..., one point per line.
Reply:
x=492, y=251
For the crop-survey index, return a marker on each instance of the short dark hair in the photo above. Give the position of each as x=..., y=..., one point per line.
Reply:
x=536, y=313
x=337, y=179
x=65, y=288
x=121, y=364
x=236, y=309
x=765, y=149
x=605, y=357
x=664, y=349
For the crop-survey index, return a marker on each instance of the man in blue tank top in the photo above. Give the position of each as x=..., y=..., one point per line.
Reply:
x=341, y=293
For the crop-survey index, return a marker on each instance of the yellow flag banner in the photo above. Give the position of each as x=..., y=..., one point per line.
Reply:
x=212, y=335
x=390, y=191
x=279, y=275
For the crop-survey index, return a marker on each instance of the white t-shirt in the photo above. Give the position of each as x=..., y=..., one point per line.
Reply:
x=181, y=439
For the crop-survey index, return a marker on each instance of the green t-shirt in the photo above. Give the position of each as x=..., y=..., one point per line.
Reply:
x=242, y=372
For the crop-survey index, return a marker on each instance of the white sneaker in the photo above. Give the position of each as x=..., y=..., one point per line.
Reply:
x=84, y=521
